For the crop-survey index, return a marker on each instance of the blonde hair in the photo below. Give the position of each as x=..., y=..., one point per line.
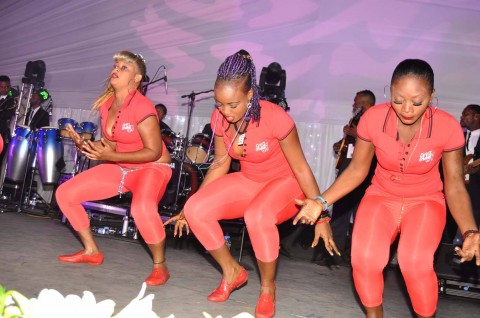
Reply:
x=128, y=57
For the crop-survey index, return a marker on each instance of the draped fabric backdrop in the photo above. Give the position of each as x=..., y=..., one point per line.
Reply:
x=329, y=49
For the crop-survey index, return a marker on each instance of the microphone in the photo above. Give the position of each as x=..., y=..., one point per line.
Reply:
x=165, y=80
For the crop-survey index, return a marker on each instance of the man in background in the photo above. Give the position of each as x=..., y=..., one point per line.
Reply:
x=162, y=112
x=470, y=120
x=37, y=117
x=343, y=211
x=7, y=111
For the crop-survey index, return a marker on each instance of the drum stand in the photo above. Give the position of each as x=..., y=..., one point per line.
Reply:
x=20, y=112
x=27, y=196
x=190, y=106
x=17, y=206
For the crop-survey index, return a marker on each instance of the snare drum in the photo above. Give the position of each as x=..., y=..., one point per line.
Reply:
x=172, y=141
x=89, y=130
x=197, y=150
x=49, y=154
x=62, y=125
x=189, y=178
x=18, y=153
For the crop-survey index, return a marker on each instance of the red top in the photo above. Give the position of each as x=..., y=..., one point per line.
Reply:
x=263, y=158
x=134, y=110
x=409, y=170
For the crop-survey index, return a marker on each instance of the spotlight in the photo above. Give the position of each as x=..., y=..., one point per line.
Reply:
x=34, y=72
x=13, y=92
x=272, y=85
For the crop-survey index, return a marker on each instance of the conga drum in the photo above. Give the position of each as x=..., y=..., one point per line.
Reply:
x=49, y=154
x=62, y=125
x=18, y=153
x=88, y=130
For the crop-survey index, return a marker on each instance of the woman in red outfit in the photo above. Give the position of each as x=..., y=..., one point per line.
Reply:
x=274, y=173
x=137, y=159
x=406, y=197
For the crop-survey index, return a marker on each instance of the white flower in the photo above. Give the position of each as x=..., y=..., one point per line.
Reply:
x=50, y=303
x=139, y=307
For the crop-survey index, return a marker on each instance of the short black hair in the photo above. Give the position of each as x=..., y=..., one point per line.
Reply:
x=474, y=108
x=163, y=107
x=370, y=95
x=4, y=78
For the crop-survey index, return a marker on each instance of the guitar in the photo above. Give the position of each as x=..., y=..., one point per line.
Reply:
x=342, y=152
x=473, y=164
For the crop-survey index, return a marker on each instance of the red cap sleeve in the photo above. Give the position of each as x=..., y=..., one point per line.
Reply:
x=280, y=121
x=454, y=136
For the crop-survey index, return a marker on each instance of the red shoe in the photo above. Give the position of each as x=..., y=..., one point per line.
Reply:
x=223, y=291
x=265, y=306
x=79, y=257
x=157, y=277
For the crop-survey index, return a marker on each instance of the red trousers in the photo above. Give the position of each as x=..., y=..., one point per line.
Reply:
x=147, y=185
x=263, y=205
x=420, y=222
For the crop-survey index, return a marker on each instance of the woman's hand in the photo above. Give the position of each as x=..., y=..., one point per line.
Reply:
x=324, y=231
x=310, y=212
x=470, y=249
x=98, y=150
x=77, y=139
x=180, y=223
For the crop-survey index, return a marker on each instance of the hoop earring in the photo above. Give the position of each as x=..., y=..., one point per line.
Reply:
x=385, y=92
x=436, y=102
x=249, y=105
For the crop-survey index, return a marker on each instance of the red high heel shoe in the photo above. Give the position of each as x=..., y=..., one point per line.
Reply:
x=265, y=306
x=223, y=291
x=79, y=257
x=157, y=277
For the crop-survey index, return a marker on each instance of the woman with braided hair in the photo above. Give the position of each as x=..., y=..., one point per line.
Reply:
x=274, y=173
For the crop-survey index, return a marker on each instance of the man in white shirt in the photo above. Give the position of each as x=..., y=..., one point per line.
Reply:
x=470, y=120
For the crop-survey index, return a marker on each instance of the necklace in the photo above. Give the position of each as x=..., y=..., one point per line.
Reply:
x=404, y=169
x=241, y=137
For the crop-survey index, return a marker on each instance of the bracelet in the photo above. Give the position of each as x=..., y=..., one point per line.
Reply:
x=469, y=233
x=325, y=219
x=324, y=202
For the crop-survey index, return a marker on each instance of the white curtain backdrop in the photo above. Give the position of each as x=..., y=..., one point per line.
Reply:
x=329, y=49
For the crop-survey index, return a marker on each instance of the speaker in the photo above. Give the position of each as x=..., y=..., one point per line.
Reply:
x=455, y=278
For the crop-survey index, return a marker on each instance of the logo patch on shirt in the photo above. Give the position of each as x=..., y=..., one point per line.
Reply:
x=128, y=127
x=263, y=147
x=426, y=156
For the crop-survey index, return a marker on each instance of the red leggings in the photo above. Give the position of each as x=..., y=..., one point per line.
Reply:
x=100, y=182
x=420, y=221
x=261, y=204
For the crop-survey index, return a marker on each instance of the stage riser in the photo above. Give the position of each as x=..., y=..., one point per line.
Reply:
x=455, y=278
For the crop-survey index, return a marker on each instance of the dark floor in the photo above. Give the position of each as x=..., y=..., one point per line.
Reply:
x=30, y=245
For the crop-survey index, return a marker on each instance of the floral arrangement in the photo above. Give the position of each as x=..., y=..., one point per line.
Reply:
x=50, y=303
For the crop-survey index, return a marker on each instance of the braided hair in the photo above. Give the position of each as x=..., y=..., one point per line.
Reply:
x=239, y=67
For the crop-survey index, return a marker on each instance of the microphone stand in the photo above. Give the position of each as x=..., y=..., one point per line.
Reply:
x=190, y=107
x=145, y=87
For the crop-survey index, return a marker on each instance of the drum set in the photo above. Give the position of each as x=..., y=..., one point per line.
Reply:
x=190, y=162
x=49, y=150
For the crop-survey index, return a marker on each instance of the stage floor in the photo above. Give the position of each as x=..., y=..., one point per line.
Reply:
x=28, y=263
